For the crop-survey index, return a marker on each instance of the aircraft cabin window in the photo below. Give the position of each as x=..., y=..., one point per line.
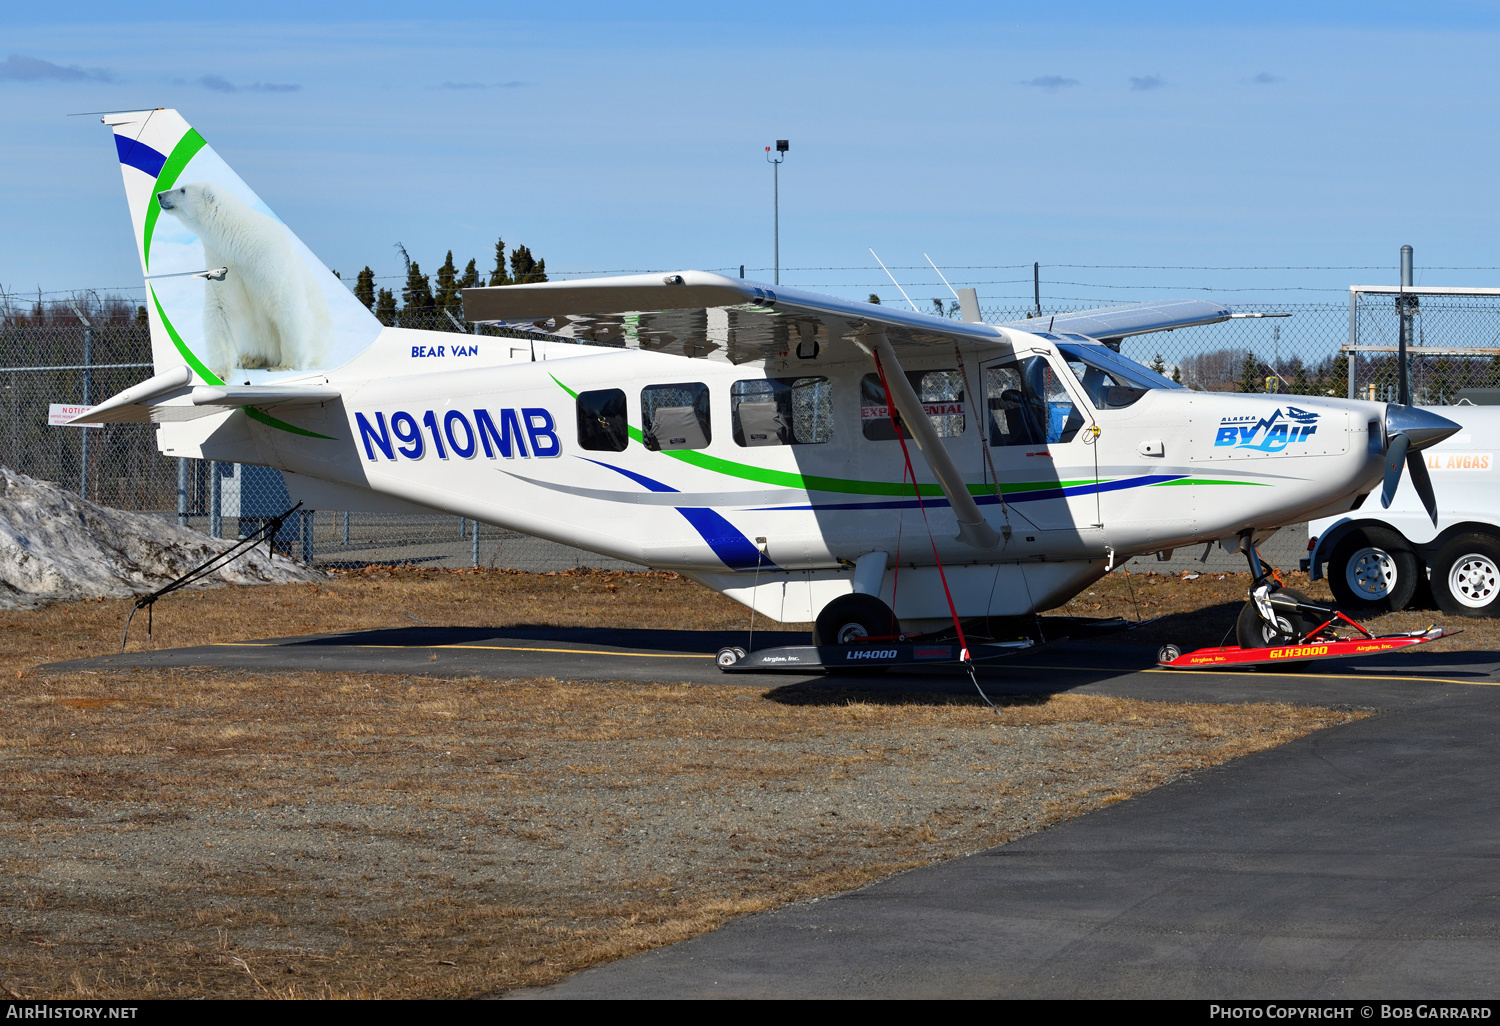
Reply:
x=942, y=396
x=781, y=411
x=676, y=416
x=601, y=420
x=1028, y=405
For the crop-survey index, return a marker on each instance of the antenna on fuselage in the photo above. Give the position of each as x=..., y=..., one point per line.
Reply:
x=941, y=275
x=894, y=282
x=968, y=299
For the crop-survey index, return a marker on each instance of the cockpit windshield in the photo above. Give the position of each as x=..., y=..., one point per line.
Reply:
x=1110, y=381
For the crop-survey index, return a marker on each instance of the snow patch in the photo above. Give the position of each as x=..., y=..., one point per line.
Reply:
x=58, y=547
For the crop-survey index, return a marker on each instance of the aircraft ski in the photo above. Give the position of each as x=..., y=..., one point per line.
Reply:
x=873, y=656
x=1324, y=641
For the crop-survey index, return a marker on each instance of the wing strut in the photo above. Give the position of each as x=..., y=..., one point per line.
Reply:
x=973, y=529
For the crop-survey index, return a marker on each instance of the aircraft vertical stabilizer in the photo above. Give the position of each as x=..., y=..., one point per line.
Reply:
x=231, y=293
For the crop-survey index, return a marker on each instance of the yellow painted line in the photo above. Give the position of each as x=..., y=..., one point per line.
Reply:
x=1330, y=676
x=575, y=651
x=487, y=648
x=1251, y=673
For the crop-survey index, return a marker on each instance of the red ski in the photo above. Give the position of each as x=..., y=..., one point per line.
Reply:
x=1322, y=642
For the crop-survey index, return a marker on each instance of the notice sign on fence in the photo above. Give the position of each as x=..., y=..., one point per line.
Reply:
x=61, y=413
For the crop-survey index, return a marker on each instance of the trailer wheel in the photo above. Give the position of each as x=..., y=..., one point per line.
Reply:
x=1466, y=576
x=1373, y=568
x=849, y=619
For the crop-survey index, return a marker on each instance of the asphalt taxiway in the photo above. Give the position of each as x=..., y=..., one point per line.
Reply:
x=1361, y=861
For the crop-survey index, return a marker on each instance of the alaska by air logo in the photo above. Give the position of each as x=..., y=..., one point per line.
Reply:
x=402, y=435
x=1267, y=434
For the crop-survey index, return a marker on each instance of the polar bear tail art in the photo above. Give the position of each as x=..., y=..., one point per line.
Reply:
x=231, y=292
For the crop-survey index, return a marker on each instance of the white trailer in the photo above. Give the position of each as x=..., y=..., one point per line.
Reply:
x=1386, y=558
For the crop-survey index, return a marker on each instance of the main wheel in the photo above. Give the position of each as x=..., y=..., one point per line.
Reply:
x=1466, y=576
x=849, y=619
x=1373, y=568
x=1251, y=631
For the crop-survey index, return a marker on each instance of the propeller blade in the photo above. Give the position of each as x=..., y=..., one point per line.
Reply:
x=1395, y=458
x=1416, y=465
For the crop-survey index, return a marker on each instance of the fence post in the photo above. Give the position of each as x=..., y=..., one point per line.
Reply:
x=476, y=543
x=346, y=526
x=88, y=358
x=182, y=491
x=307, y=535
x=215, y=501
x=1353, y=334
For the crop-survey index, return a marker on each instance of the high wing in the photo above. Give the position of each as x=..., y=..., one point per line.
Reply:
x=1112, y=324
x=696, y=313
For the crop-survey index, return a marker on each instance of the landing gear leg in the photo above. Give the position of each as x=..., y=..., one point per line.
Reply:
x=1261, y=623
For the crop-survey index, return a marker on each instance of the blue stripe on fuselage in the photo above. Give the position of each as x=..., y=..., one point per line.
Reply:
x=733, y=548
x=990, y=500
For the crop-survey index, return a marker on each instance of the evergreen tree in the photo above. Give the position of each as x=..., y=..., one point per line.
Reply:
x=1439, y=381
x=364, y=287
x=140, y=316
x=470, y=277
x=1301, y=385
x=498, y=275
x=1177, y=374
x=416, y=295
x=1159, y=365
x=1333, y=376
x=446, y=296
x=526, y=269
x=1250, y=380
x=385, y=307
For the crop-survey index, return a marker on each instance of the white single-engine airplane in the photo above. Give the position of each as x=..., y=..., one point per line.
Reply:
x=739, y=433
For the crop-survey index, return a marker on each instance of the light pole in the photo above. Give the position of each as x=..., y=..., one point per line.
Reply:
x=775, y=162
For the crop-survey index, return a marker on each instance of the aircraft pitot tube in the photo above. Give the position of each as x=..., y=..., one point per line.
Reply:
x=1408, y=430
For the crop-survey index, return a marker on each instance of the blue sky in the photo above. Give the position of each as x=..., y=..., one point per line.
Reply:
x=1093, y=138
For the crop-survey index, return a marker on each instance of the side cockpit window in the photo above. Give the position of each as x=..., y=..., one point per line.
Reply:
x=1028, y=405
x=781, y=411
x=601, y=420
x=676, y=416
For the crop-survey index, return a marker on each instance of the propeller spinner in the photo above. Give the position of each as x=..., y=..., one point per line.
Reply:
x=1408, y=430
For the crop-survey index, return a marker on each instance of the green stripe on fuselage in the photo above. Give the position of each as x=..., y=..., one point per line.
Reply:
x=815, y=483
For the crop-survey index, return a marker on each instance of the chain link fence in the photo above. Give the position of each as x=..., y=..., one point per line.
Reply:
x=50, y=356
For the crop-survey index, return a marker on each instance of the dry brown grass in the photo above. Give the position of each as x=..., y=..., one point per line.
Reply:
x=221, y=833
x=379, y=597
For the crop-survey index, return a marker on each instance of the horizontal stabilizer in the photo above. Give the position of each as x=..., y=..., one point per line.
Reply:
x=262, y=395
x=169, y=396
x=120, y=409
